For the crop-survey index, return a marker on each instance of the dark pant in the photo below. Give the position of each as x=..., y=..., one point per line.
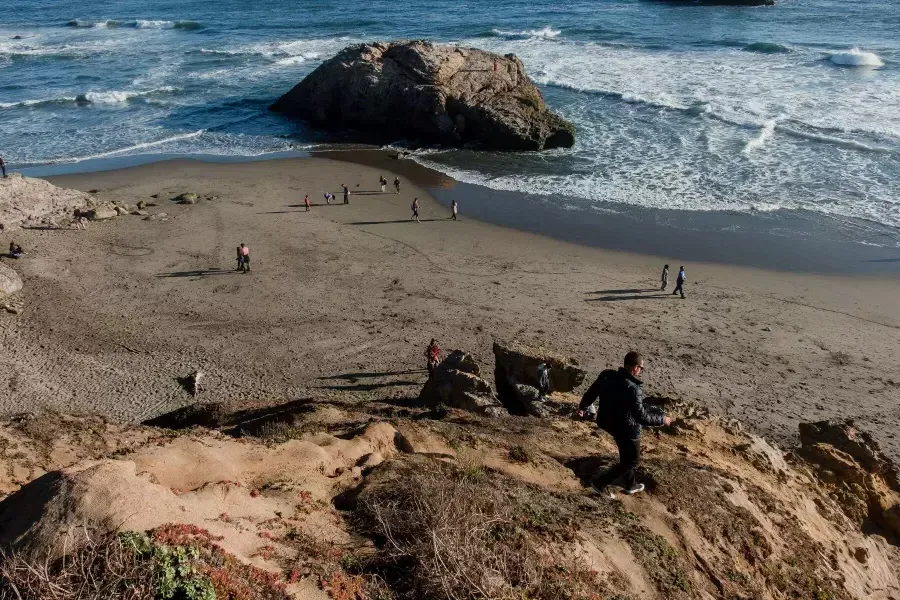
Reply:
x=3, y=167
x=679, y=288
x=623, y=472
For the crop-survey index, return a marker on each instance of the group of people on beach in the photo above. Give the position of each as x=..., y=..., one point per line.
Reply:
x=415, y=207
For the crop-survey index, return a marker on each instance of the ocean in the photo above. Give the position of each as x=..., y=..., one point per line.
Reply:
x=678, y=107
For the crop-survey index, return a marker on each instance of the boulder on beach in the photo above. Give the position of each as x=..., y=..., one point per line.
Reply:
x=101, y=213
x=187, y=198
x=30, y=201
x=10, y=282
x=433, y=93
x=520, y=363
x=456, y=383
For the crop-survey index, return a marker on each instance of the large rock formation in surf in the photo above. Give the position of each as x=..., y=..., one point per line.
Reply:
x=432, y=93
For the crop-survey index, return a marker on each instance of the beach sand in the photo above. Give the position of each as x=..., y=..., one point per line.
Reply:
x=343, y=299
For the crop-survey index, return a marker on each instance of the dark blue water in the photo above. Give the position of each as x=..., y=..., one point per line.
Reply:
x=677, y=106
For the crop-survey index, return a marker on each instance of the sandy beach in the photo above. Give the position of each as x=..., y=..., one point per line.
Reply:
x=342, y=300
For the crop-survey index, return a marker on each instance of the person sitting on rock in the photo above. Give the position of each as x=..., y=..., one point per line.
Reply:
x=15, y=250
x=622, y=414
x=432, y=356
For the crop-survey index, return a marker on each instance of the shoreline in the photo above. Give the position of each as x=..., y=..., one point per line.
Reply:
x=785, y=241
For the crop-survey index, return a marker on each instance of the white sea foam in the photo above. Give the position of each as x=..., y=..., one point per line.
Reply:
x=116, y=97
x=856, y=58
x=765, y=134
x=545, y=32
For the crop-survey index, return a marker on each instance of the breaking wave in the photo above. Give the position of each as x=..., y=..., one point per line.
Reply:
x=544, y=33
x=108, y=97
x=856, y=58
x=137, y=24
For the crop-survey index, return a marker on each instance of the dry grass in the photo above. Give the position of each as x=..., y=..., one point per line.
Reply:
x=445, y=532
x=99, y=568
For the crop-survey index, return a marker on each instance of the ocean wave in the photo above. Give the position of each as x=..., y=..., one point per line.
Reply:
x=121, y=151
x=856, y=58
x=107, y=97
x=547, y=33
x=137, y=24
x=766, y=48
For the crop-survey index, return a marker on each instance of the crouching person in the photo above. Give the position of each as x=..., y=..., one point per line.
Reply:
x=622, y=414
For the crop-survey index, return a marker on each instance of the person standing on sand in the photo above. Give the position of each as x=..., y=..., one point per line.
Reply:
x=383, y=182
x=415, y=210
x=622, y=414
x=346, y=194
x=3, y=167
x=454, y=208
x=397, y=184
x=665, y=278
x=245, y=259
x=240, y=259
x=679, y=282
x=306, y=202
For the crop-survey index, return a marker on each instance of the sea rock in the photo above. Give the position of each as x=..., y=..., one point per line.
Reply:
x=456, y=383
x=519, y=364
x=431, y=92
x=141, y=205
x=10, y=282
x=121, y=211
x=25, y=200
x=187, y=198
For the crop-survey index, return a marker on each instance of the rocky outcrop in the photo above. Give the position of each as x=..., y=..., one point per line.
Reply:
x=432, y=93
x=519, y=363
x=30, y=201
x=10, y=282
x=859, y=476
x=456, y=383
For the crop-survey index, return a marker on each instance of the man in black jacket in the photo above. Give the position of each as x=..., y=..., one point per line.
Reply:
x=622, y=414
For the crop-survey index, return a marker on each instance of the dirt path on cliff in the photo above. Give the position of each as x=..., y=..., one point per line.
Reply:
x=343, y=299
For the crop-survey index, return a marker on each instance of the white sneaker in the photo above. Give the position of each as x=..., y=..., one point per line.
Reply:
x=635, y=490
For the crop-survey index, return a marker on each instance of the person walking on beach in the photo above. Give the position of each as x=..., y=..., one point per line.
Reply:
x=665, y=278
x=383, y=182
x=3, y=167
x=306, y=202
x=415, y=210
x=245, y=259
x=397, y=184
x=346, y=194
x=454, y=208
x=679, y=282
x=622, y=414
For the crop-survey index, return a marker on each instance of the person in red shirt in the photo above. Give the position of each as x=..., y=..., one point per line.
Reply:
x=432, y=355
x=306, y=202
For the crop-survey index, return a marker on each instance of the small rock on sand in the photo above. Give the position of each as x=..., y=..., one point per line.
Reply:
x=10, y=282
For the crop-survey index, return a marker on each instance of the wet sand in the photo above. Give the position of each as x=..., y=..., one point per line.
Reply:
x=342, y=300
